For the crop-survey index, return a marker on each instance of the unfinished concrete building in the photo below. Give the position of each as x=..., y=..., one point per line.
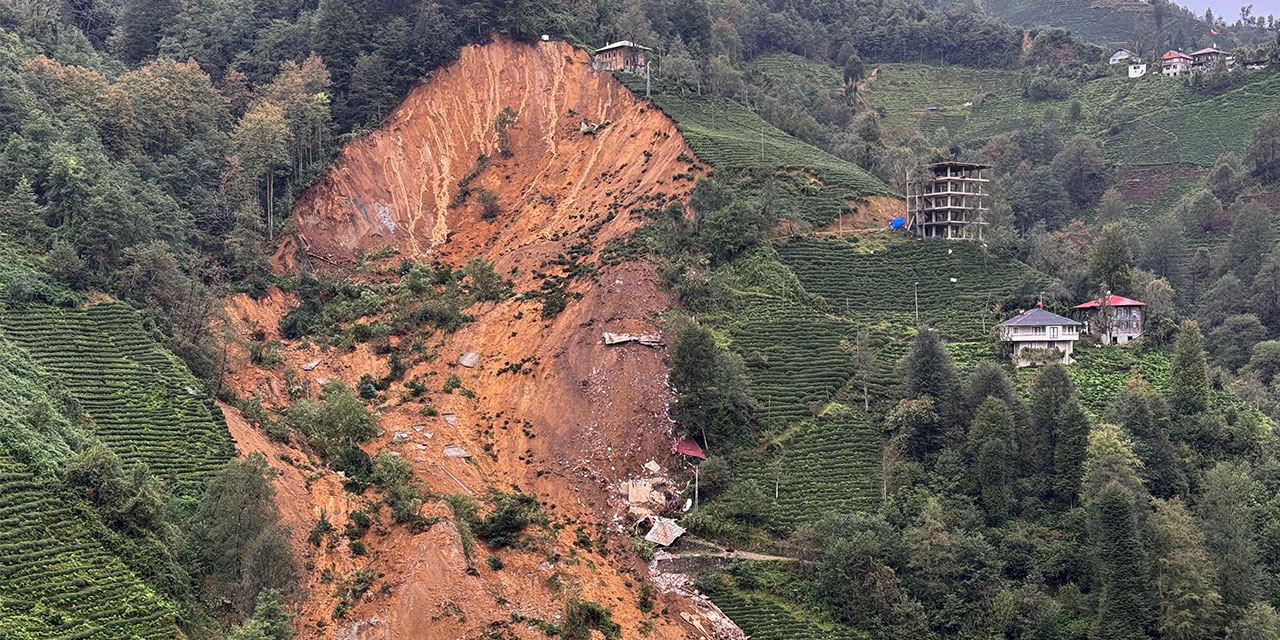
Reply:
x=950, y=202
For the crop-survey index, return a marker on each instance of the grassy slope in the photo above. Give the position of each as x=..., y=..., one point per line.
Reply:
x=739, y=144
x=1167, y=122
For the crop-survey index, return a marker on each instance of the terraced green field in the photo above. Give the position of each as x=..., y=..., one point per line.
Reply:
x=143, y=403
x=779, y=66
x=762, y=617
x=826, y=465
x=1165, y=122
x=739, y=144
x=57, y=582
x=958, y=284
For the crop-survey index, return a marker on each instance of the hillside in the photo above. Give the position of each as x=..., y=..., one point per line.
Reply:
x=142, y=401
x=1159, y=120
x=810, y=184
x=549, y=410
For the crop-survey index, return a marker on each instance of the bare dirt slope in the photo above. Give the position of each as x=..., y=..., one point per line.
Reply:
x=578, y=418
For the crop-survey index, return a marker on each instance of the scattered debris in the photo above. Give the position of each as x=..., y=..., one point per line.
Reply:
x=311, y=365
x=400, y=435
x=192, y=392
x=652, y=467
x=707, y=618
x=469, y=359
x=454, y=451
x=646, y=339
x=664, y=531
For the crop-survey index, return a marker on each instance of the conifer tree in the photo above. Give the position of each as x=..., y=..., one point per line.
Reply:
x=930, y=374
x=1226, y=506
x=1059, y=431
x=1190, y=607
x=1114, y=498
x=1259, y=622
x=992, y=450
x=1189, y=377
x=1144, y=415
x=1124, y=604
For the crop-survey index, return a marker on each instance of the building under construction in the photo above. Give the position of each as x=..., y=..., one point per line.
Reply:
x=950, y=202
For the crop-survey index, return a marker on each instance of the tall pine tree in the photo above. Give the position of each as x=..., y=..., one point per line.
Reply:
x=992, y=450
x=1189, y=376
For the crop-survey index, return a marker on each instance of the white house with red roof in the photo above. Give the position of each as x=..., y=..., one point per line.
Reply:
x=1038, y=337
x=1208, y=58
x=1175, y=63
x=1114, y=319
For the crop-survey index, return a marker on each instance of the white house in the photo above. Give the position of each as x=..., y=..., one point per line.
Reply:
x=1115, y=319
x=1120, y=56
x=1040, y=337
x=1137, y=70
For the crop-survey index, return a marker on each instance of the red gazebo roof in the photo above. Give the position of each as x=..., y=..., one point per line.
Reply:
x=1111, y=301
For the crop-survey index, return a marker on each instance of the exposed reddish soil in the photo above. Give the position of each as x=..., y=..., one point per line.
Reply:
x=581, y=417
x=1146, y=183
x=873, y=214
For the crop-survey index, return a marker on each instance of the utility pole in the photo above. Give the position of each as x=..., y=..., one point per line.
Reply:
x=646, y=78
x=917, y=304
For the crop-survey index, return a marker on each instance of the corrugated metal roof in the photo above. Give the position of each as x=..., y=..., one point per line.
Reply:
x=1037, y=318
x=1112, y=301
x=621, y=44
x=664, y=531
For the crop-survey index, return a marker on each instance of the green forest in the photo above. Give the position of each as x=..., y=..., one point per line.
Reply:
x=861, y=418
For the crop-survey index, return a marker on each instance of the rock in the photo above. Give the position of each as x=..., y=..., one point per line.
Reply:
x=469, y=359
x=451, y=419
x=311, y=365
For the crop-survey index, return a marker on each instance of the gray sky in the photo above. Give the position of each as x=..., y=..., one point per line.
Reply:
x=1229, y=10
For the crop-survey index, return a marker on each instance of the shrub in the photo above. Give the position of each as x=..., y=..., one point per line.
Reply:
x=582, y=616
x=494, y=562
x=512, y=512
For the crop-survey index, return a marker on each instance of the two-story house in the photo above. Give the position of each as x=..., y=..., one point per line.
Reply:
x=1114, y=319
x=1040, y=337
x=1175, y=63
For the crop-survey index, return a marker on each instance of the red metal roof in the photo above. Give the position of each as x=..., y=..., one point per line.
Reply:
x=1112, y=301
x=1174, y=54
x=689, y=447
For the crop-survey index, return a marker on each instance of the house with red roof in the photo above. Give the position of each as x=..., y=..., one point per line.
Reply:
x=1113, y=319
x=1208, y=58
x=1175, y=63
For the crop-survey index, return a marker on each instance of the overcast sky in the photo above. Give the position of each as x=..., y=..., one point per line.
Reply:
x=1229, y=10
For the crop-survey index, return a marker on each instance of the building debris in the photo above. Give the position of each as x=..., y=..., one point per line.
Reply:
x=311, y=365
x=646, y=339
x=652, y=467
x=664, y=531
x=454, y=451
x=469, y=359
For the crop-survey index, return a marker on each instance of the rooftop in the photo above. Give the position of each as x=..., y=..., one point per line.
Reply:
x=1206, y=50
x=623, y=44
x=1174, y=54
x=1111, y=301
x=1037, y=317
x=956, y=163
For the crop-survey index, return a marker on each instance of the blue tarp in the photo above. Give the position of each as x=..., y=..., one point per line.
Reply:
x=897, y=223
